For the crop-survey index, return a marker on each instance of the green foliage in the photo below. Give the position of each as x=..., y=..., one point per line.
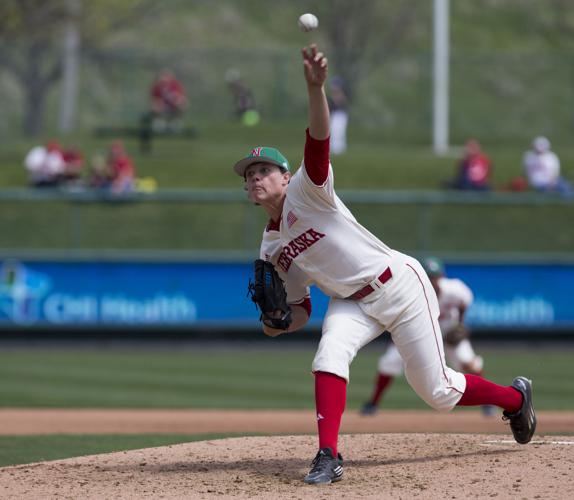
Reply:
x=502, y=56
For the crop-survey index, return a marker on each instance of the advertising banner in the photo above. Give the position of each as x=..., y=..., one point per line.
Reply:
x=518, y=295
x=198, y=294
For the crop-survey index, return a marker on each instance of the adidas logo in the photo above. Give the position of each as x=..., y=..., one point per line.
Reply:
x=319, y=417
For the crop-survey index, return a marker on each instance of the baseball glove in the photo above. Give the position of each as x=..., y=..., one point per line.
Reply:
x=268, y=292
x=456, y=335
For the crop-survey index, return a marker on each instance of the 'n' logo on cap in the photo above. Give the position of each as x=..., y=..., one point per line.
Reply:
x=256, y=152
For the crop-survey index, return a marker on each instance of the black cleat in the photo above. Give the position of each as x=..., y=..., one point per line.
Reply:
x=325, y=469
x=523, y=422
x=368, y=409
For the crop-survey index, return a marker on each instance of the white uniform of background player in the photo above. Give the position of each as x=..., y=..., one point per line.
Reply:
x=453, y=296
x=312, y=237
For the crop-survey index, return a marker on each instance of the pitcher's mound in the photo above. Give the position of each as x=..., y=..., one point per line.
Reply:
x=376, y=466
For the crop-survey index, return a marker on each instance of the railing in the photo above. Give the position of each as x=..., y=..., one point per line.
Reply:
x=208, y=220
x=395, y=197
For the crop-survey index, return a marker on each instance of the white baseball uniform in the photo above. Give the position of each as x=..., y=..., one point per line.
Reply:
x=453, y=294
x=320, y=242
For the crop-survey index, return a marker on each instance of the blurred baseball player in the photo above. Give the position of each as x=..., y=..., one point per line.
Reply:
x=312, y=237
x=454, y=297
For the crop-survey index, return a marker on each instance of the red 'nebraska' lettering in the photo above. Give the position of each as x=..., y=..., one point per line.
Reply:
x=296, y=246
x=301, y=243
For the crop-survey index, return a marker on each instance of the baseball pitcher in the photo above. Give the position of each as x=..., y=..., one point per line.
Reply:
x=313, y=238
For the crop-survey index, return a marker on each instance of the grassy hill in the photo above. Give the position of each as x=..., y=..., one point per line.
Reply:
x=372, y=162
x=205, y=162
x=503, y=54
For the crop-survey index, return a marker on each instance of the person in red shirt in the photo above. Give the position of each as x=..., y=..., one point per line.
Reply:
x=168, y=99
x=474, y=169
x=121, y=168
x=167, y=104
x=74, y=163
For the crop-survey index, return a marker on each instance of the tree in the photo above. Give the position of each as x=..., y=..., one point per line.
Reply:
x=28, y=32
x=31, y=33
x=363, y=34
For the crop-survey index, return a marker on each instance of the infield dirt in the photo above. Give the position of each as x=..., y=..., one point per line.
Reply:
x=385, y=465
x=382, y=466
x=14, y=421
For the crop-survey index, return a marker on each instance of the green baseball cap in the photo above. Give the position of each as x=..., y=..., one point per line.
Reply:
x=433, y=267
x=261, y=154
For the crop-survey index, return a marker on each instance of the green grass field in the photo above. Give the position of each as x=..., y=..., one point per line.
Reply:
x=26, y=449
x=237, y=377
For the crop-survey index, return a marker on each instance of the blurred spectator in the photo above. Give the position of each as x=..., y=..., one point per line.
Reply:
x=243, y=100
x=100, y=176
x=45, y=165
x=542, y=168
x=168, y=102
x=73, y=165
x=121, y=169
x=338, y=105
x=474, y=169
x=517, y=185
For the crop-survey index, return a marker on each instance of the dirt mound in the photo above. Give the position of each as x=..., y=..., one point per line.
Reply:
x=376, y=466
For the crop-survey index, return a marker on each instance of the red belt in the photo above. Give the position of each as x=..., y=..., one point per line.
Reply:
x=368, y=289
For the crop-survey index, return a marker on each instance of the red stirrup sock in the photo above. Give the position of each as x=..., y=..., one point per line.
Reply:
x=381, y=384
x=330, y=399
x=480, y=391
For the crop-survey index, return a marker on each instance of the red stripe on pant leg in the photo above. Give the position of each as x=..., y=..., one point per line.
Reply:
x=480, y=391
x=432, y=323
x=330, y=400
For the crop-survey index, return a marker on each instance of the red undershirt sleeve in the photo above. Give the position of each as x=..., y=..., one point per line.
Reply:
x=316, y=159
x=306, y=304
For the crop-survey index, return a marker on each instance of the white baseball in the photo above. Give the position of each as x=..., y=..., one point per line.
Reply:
x=308, y=22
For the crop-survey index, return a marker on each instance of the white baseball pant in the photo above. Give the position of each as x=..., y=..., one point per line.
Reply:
x=407, y=307
x=391, y=363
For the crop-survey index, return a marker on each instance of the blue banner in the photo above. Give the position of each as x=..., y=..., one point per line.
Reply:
x=82, y=293
x=518, y=295
x=79, y=294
